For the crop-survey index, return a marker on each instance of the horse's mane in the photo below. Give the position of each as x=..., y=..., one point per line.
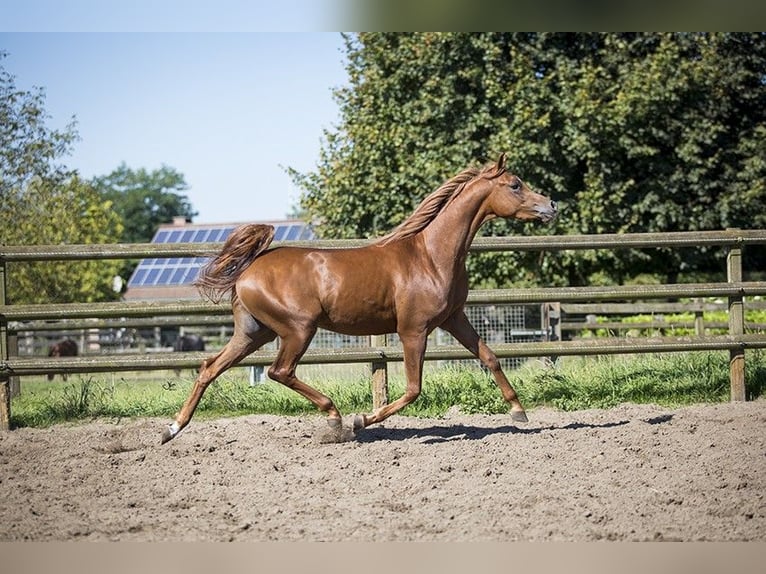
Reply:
x=435, y=203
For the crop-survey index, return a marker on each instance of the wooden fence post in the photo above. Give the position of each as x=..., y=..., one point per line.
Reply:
x=5, y=387
x=699, y=320
x=551, y=324
x=736, y=325
x=379, y=375
x=14, y=383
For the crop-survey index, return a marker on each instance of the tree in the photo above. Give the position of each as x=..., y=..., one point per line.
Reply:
x=28, y=147
x=145, y=199
x=628, y=132
x=42, y=202
x=53, y=213
x=664, y=129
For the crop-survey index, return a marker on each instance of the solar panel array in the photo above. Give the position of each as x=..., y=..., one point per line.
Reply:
x=174, y=271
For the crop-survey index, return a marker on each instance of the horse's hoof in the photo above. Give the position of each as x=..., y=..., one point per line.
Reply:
x=170, y=431
x=336, y=433
x=166, y=435
x=519, y=417
x=358, y=422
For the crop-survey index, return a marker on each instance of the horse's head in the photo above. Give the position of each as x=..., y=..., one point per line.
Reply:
x=510, y=197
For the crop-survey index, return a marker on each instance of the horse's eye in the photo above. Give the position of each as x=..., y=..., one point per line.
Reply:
x=516, y=186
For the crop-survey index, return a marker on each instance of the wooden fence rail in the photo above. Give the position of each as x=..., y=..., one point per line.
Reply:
x=483, y=296
x=601, y=346
x=734, y=291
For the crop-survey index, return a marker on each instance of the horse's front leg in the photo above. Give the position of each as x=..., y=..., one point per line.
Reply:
x=460, y=327
x=414, y=347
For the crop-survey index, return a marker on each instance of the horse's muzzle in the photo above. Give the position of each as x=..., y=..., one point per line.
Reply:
x=548, y=212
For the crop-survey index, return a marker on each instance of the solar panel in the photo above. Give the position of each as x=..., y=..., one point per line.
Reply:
x=177, y=271
x=293, y=232
x=279, y=233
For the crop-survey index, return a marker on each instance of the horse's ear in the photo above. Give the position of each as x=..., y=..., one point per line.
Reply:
x=501, y=162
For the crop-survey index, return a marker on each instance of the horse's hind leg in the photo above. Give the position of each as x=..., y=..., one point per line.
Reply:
x=249, y=335
x=291, y=349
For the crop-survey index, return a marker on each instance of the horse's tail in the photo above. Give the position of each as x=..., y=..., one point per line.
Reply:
x=244, y=244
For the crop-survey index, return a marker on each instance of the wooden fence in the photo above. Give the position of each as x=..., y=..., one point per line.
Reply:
x=733, y=291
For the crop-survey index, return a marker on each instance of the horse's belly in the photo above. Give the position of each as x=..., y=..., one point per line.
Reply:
x=359, y=322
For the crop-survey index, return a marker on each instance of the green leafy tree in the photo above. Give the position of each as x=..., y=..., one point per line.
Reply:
x=42, y=202
x=629, y=132
x=664, y=130
x=145, y=199
x=69, y=212
x=28, y=147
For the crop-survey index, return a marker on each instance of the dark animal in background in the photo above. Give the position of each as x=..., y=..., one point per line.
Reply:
x=65, y=348
x=188, y=343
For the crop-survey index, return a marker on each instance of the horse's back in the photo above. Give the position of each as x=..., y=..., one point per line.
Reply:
x=319, y=266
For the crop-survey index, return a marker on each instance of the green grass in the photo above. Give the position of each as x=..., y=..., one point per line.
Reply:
x=573, y=383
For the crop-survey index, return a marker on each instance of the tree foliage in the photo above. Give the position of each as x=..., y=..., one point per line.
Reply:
x=145, y=199
x=28, y=147
x=628, y=132
x=41, y=202
x=52, y=213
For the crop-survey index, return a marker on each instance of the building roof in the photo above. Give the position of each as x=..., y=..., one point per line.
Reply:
x=172, y=277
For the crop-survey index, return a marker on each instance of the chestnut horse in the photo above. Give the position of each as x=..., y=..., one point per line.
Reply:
x=409, y=282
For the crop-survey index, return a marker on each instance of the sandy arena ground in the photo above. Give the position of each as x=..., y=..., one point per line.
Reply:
x=635, y=472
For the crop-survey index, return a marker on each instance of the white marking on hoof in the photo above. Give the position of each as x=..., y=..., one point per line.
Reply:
x=170, y=432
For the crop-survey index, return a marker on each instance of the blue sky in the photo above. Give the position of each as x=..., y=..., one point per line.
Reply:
x=175, y=15
x=227, y=110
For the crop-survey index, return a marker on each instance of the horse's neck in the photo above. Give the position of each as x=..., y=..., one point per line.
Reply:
x=450, y=234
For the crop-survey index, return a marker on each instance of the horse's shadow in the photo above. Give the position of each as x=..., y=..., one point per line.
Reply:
x=438, y=434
